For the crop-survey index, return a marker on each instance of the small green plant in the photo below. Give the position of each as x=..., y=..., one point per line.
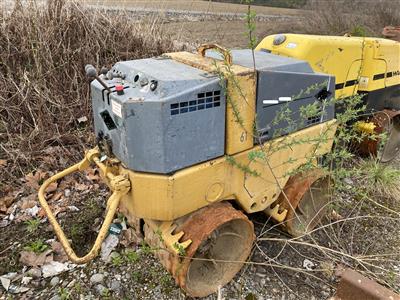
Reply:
x=391, y=277
x=166, y=280
x=381, y=179
x=359, y=30
x=131, y=256
x=117, y=260
x=251, y=25
x=78, y=288
x=64, y=294
x=121, y=217
x=37, y=246
x=159, y=234
x=32, y=225
x=76, y=231
x=145, y=248
x=136, y=275
x=105, y=293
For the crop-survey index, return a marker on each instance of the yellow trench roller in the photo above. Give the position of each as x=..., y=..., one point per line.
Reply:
x=367, y=66
x=188, y=214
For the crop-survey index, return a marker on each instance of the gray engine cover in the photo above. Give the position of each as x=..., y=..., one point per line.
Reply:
x=179, y=124
x=282, y=78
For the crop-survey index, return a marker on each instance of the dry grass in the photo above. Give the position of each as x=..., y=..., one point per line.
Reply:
x=355, y=17
x=43, y=90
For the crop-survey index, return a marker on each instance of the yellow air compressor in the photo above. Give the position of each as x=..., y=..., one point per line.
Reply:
x=361, y=65
x=187, y=146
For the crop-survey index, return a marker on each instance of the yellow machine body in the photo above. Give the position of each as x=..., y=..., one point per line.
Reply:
x=359, y=64
x=168, y=197
x=163, y=197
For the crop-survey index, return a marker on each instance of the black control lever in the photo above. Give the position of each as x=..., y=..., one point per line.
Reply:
x=91, y=73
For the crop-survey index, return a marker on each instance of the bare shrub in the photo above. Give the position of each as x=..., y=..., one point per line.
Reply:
x=354, y=17
x=43, y=50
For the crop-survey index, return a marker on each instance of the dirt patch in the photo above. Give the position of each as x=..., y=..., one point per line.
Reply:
x=194, y=5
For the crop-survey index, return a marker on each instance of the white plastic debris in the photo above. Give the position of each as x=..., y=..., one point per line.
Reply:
x=33, y=211
x=82, y=119
x=73, y=208
x=67, y=192
x=49, y=241
x=5, y=282
x=124, y=226
x=6, y=279
x=26, y=280
x=308, y=264
x=108, y=246
x=54, y=268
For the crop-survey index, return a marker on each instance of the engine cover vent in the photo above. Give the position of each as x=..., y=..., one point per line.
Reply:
x=204, y=100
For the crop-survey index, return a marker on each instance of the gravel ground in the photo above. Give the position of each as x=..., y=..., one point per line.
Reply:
x=277, y=269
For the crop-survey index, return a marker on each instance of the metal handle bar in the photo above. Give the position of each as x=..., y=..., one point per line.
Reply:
x=119, y=184
x=225, y=52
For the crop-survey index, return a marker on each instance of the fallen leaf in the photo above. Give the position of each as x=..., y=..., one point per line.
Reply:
x=92, y=175
x=51, y=160
x=3, y=208
x=81, y=186
x=52, y=150
x=51, y=187
x=59, y=252
x=22, y=218
x=28, y=203
x=30, y=258
x=131, y=237
x=3, y=162
x=54, y=208
x=34, y=180
x=66, y=183
x=51, y=155
x=5, y=203
x=41, y=214
x=335, y=216
x=56, y=196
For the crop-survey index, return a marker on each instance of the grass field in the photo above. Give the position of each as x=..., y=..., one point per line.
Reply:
x=197, y=22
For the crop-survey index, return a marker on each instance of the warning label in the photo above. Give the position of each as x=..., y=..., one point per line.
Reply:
x=116, y=108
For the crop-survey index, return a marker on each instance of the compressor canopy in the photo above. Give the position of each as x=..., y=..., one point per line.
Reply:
x=159, y=115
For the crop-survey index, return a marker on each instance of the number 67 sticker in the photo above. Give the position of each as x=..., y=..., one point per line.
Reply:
x=243, y=136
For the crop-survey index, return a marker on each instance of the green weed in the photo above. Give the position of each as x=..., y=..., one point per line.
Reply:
x=117, y=260
x=32, y=225
x=64, y=294
x=37, y=246
x=131, y=256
